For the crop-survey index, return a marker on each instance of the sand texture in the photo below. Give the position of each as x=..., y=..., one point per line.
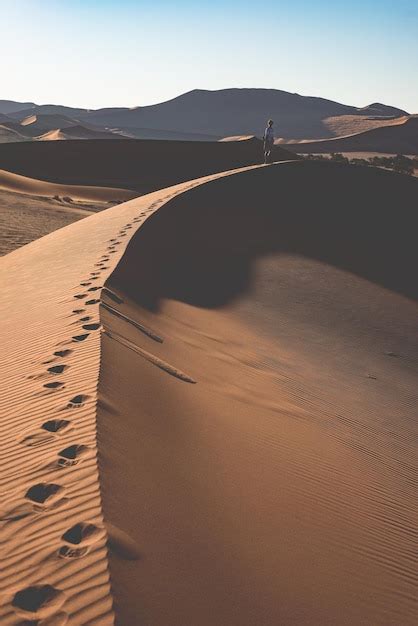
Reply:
x=31, y=208
x=399, y=136
x=209, y=406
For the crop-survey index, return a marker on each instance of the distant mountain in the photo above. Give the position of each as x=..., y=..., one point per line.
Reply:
x=211, y=115
x=234, y=112
x=400, y=137
x=20, y=112
x=10, y=106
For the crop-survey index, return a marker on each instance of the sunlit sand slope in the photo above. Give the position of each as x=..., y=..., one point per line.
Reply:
x=54, y=566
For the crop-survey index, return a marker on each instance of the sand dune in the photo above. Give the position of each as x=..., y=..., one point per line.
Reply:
x=31, y=208
x=84, y=172
x=142, y=165
x=252, y=391
x=52, y=531
x=351, y=124
x=261, y=376
x=238, y=138
x=397, y=137
x=50, y=128
x=46, y=122
x=23, y=184
x=10, y=135
x=77, y=132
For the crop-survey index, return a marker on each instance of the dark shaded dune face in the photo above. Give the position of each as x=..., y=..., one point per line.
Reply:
x=142, y=165
x=202, y=246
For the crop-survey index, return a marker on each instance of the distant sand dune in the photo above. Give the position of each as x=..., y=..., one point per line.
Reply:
x=77, y=132
x=24, y=184
x=400, y=136
x=31, y=208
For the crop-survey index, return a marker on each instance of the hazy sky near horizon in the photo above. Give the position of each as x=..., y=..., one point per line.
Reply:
x=98, y=53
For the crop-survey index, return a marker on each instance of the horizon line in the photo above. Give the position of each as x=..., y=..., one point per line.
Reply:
x=137, y=106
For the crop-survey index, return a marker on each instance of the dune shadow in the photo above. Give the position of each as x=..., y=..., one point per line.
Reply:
x=201, y=246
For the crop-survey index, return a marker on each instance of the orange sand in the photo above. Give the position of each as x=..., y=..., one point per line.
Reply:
x=252, y=389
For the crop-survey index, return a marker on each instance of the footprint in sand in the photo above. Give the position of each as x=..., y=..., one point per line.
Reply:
x=78, y=311
x=94, y=326
x=56, y=426
x=44, y=496
x=47, y=432
x=80, y=296
x=57, y=354
x=57, y=369
x=95, y=273
x=78, y=338
x=41, y=602
x=89, y=302
x=95, y=288
x=38, y=499
x=62, y=353
x=77, y=401
x=74, y=454
x=79, y=539
x=85, y=284
x=86, y=318
x=54, y=385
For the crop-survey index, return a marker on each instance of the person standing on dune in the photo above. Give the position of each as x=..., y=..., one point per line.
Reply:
x=268, y=142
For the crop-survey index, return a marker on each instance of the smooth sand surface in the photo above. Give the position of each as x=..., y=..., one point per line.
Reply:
x=31, y=208
x=252, y=390
x=76, y=132
x=10, y=181
x=398, y=137
x=256, y=419
x=343, y=125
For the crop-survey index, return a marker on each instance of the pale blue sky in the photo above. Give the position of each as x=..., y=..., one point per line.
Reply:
x=92, y=53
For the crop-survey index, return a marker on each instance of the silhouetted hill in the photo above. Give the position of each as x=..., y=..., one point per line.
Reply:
x=214, y=114
x=10, y=106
